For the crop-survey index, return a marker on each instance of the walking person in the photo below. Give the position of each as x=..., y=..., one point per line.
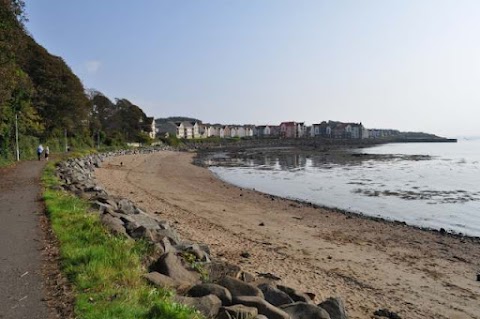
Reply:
x=39, y=151
x=47, y=152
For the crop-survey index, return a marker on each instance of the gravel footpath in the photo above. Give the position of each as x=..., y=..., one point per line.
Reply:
x=22, y=292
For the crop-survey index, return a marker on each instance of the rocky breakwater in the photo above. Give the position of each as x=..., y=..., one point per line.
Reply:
x=216, y=288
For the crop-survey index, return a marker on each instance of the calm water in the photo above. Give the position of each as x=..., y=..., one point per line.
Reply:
x=438, y=190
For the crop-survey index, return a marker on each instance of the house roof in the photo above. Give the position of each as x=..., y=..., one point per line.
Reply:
x=288, y=123
x=187, y=124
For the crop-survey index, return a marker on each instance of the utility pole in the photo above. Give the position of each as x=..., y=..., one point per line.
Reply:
x=66, y=141
x=98, y=140
x=16, y=136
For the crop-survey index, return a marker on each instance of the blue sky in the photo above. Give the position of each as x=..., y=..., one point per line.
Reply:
x=411, y=65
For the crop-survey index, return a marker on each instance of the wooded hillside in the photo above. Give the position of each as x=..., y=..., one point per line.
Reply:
x=49, y=98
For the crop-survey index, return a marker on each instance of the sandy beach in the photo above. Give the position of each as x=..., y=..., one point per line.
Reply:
x=369, y=264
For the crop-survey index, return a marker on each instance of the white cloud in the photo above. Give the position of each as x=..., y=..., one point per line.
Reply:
x=92, y=66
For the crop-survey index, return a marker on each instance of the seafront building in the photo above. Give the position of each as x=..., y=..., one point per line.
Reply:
x=290, y=129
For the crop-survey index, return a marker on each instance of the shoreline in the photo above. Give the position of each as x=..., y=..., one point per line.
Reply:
x=370, y=262
x=346, y=212
x=339, y=154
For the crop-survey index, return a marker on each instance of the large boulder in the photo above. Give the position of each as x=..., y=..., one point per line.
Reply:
x=274, y=295
x=264, y=308
x=166, y=244
x=140, y=232
x=295, y=295
x=211, y=289
x=201, y=252
x=113, y=224
x=160, y=280
x=126, y=207
x=303, y=310
x=159, y=234
x=101, y=208
x=239, y=288
x=246, y=276
x=335, y=308
x=146, y=221
x=207, y=305
x=106, y=200
x=237, y=312
x=218, y=269
x=171, y=265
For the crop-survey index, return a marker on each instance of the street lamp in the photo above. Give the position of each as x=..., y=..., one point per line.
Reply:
x=16, y=136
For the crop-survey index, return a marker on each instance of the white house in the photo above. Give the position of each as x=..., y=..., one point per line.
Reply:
x=199, y=130
x=211, y=130
x=153, y=131
x=184, y=130
x=241, y=131
x=249, y=130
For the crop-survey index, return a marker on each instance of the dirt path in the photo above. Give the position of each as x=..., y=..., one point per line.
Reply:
x=370, y=264
x=22, y=292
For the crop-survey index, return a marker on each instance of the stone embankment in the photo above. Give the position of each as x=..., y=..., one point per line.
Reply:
x=316, y=143
x=215, y=288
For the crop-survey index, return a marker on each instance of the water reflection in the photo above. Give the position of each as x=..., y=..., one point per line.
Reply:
x=293, y=159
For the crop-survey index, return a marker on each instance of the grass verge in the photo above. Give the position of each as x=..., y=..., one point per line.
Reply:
x=104, y=270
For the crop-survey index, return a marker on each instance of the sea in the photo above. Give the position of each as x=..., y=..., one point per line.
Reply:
x=428, y=185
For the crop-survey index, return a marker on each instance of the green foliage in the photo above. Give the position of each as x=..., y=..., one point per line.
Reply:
x=38, y=87
x=171, y=140
x=50, y=100
x=196, y=265
x=105, y=270
x=119, y=122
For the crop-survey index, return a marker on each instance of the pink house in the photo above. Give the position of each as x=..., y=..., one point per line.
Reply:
x=288, y=129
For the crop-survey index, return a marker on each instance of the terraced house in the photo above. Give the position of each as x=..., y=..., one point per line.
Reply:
x=330, y=129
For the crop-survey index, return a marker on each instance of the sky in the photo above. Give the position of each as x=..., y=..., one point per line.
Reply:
x=402, y=64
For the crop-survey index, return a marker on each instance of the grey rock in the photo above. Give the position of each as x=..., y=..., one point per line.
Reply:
x=161, y=280
x=239, y=288
x=163, y=224
x=386, y=313
x=140, y=232
x=138, y=210
x=106, y=200
x=89, y=186
x=207, y=305
x=218, y=269
x=274, y=295
x=295, y=295
x=196, y=250
x=264, y=308
x=129, y=222
x=126, y=207
x=159, y=234
x=246, y=276
x=115, y=225
x=167, y=245
x=237, y=312
x=335, y=308
x=211, y=289
x=171, y=265
x=146, y=221
x=101, y=207
x=303, y=310
x=97, y=162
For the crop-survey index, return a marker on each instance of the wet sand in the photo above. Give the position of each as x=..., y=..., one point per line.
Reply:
x=369, y=264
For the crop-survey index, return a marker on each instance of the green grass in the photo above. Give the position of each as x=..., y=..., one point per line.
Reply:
x=104, y=270
x=5, y=162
